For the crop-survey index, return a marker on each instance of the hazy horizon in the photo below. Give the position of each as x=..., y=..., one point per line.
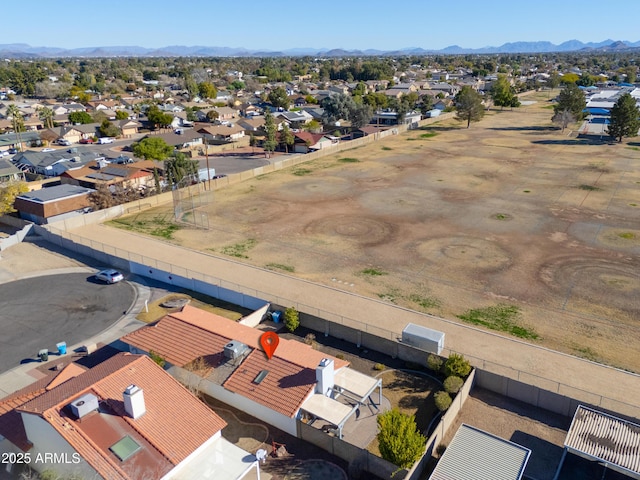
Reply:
x=375, y=25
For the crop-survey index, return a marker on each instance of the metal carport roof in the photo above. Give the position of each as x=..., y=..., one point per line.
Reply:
x=604, y=438
x=477, y=455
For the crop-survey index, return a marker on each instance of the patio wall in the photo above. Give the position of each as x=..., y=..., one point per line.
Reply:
x=357, y=457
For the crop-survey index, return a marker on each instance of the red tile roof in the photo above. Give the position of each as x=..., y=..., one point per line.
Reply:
x=11, y=426
x=184, y=336
x=284, y=389
x=175, y=423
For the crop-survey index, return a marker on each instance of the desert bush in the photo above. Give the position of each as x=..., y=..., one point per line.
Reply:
x=434, y=362
x=442, y=400
x=457, y=365
x=291, y=319
x=453, y=384
x=378, y=366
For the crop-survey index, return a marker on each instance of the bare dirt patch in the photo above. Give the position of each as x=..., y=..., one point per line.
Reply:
x=425, y=212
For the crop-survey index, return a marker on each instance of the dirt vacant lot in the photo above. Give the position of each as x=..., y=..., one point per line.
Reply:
x=448, y=219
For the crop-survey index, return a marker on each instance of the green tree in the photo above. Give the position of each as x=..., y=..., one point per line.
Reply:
x=157, y=117
x=270, y=141
x=286, y=137
x=81, y=118
x=469, y=105
x=152, y=148
x=17, y=121
x=108, y=129
x=278, y=98
x=122, y=115
x=46, y=115
x=457, y=365
x=625, y=118
x=237, y=85
x=571, y=99
x=207, y=90
x=179, y=167
x=8, y=193
x=291, y=319
x=399, y=440
x=360, y=115
x=502, y=93
x=337, y=106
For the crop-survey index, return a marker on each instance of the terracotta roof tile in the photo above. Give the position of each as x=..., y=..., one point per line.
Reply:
x=184, y=336
x=174, y=426
x=284, y=389
x=11, y=426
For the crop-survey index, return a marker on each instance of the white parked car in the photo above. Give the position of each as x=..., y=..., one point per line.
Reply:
x=104, y=140
x=109, y=276
x=44, y=150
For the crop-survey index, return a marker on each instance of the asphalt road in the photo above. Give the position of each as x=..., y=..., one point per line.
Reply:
x=233, y=163
x=38, y=313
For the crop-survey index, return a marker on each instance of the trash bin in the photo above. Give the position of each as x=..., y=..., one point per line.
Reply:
x=62, y=348
x=44, y=355
x=275, y=316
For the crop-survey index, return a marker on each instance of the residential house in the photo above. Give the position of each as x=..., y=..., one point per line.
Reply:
x=390, y=117
x=52, y=164
x=128, y=127
x=295, y=119
x=447, y=88
x=216, y=134
x=70, y=133
x=296, y=382
x=124, y=419
x=9, y=172
x=114, y=176
x=66, y=109
x=189, y=138
x=225, y=114
x=304, y=142
x=252, y=125
x=53, y=203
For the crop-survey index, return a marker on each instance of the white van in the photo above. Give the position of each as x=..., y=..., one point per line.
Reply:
x=104, y=140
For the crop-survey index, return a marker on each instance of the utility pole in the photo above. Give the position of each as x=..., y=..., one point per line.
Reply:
x=206, y=156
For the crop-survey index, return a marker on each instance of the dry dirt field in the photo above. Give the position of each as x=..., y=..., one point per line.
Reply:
x=509, y=211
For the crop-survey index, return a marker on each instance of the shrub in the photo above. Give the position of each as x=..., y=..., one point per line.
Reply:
x=378, y=366
x=457, y=365
x=434, y=362
x=453, y=384
x=310, y=339
x=156, y=357
x=291, y=319
x=442, y=401
x=340, y=356
x=399, y=440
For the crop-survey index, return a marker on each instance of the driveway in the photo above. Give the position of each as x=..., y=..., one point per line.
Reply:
x=39, y=312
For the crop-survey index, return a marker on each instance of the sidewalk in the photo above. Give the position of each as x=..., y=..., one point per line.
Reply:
x=533, y=365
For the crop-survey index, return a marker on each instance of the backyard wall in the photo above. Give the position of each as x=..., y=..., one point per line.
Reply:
x=357, y=457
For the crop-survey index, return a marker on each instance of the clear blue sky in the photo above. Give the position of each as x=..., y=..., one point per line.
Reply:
x=280, y=25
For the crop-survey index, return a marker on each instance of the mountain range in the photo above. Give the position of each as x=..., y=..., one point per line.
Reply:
x=22, y=50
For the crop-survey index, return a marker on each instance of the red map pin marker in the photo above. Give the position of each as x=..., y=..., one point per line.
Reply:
x=269, y=342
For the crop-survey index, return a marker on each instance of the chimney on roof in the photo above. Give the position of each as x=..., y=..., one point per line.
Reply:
x=324, y=377
x=134, y=401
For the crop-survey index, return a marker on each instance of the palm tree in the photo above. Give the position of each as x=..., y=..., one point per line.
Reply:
x=16, y=116
x=46, y=115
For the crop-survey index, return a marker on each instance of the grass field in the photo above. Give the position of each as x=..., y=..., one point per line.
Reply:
x=509, y=225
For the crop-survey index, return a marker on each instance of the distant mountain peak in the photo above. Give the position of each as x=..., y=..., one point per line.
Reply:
x=22, y=50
